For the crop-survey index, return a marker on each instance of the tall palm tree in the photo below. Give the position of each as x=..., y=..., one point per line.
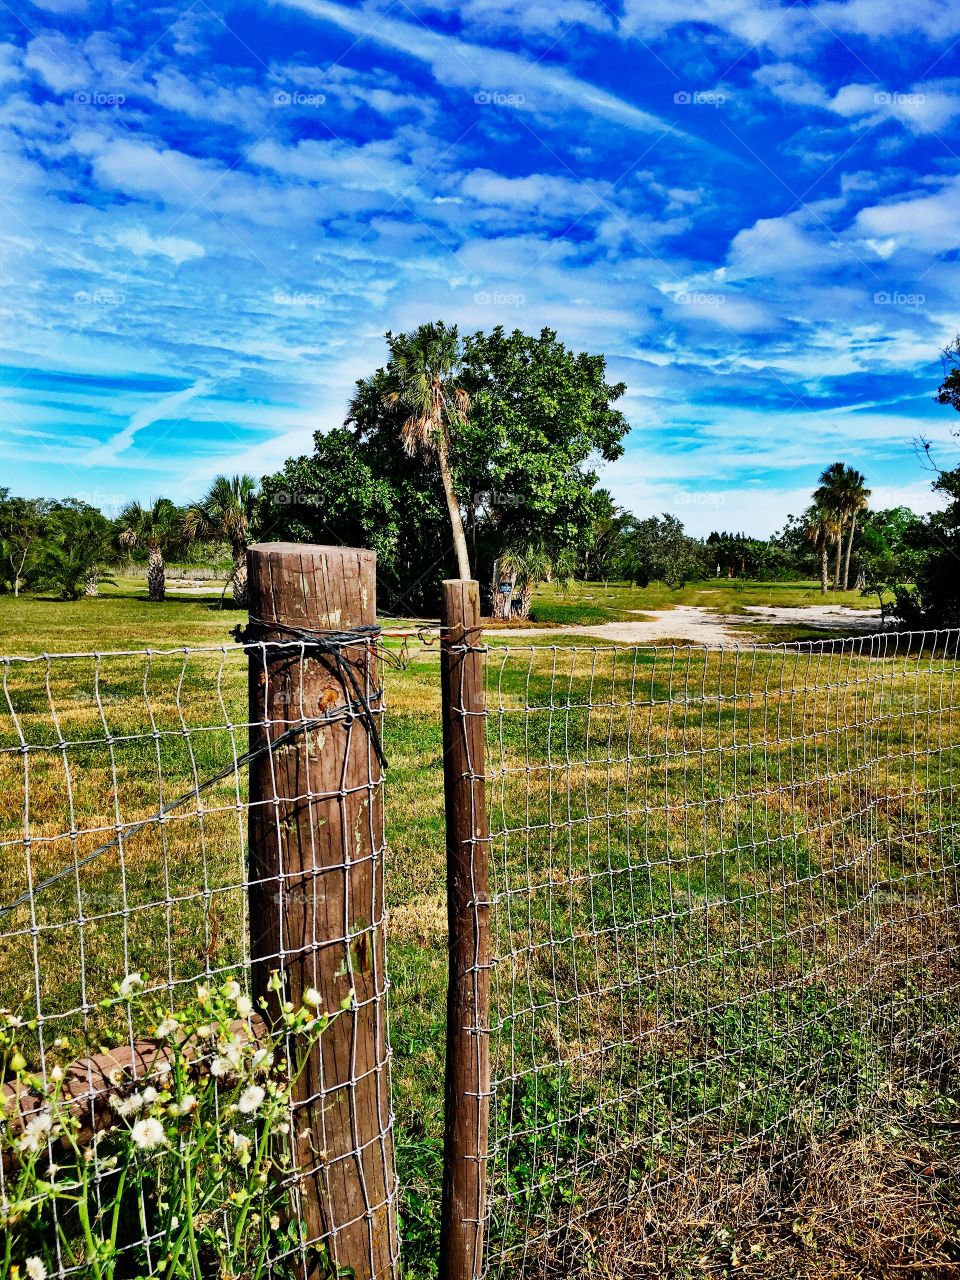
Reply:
x=225, y=514
x=821, y=527
x=159, y=528
x=830, y=494
x=855, y=495
x=424, y=369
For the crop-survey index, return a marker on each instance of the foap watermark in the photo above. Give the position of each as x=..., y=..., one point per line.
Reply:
x=109, y=503
x=699, y=98
x=699, y=298
x=298, y=98
x=898, y=298
x=99, y=298
x=498, y=98
x=282, y=299
x=684, y=498
x=291, y=498
x=496, y=298
x=893, y=98
x=98, y=98
x=495, y=498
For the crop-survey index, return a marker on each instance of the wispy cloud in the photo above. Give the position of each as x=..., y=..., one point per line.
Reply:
x=110, y=452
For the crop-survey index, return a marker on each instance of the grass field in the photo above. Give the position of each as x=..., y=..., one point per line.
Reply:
x=726, y=924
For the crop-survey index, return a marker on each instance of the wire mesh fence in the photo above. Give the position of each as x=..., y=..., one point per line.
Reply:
x=133, y=968
x=725, y=918
x=724, y=947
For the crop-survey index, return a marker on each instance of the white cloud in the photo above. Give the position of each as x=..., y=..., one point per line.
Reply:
x=927, y=222
x=107, y=453
x=142, y=243
x=477, y=68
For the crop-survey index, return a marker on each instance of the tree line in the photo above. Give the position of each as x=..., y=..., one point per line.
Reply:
x=70, y=547
x=479, y=456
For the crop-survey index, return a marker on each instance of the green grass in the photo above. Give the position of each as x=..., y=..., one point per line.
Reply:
x=688, y=849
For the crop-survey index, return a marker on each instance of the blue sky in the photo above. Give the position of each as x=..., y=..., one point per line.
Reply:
x=212, y=212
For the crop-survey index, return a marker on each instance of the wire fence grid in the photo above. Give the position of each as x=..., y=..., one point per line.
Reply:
x=724, y=908
x=725, y=914
x=125, y=813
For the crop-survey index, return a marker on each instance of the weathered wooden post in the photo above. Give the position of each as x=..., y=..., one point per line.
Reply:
x=317, y=883
x=467, y=1083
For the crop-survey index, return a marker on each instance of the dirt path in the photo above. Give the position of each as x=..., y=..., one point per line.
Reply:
x=702, y=626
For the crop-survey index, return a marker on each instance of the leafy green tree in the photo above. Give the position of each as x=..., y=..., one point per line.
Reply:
x=22, y=522
x=225, y=514
x=76, y=548
x=885, y=555
x=523, y=462
x=600, y=554
x=158, y=529
x=933, y=542
x=658, y=550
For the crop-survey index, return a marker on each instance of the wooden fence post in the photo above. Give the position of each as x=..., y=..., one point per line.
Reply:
x=317, y=889
x=467, y=1081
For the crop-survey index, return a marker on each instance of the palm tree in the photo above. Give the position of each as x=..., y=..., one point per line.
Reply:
x=822, y=529
x=843, y=491
x=830, y=495
x=158, y=528
x=855, y=494
x=523, y=567
x=225, y=514
x=424, y=369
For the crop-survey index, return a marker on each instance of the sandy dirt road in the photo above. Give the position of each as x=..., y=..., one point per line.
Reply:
x=693, y=623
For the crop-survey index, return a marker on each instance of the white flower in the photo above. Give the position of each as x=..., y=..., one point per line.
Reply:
x=35, y=1269
x=167, y=1027
x=116, y=1075
x=147, y=1134
x=250, y=1099
x=127, y=1106
x=244, y=1006
x=231, y=989
x=220, y=1066
x=149, y=1095
x=262, y=1058
x=274, y=1222
x=56, y=1075
x=130, y=984
x=241, y=1146
x=312, y=998
x=203, y=993
x=188, y=1104
x=36, y=1132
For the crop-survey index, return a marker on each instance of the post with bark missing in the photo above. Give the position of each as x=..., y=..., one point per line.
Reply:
x=467, y=1083
x=317, y=884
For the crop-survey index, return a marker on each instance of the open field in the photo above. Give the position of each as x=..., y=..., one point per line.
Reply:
x=727, y=924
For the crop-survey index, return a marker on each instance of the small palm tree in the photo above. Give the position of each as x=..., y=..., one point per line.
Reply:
x=524, y=567
x=822, y=529
x=159, y=528
x=424, y=370
x=225, y=514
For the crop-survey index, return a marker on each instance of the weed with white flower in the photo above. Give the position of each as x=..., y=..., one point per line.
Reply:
x=161, y=1166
